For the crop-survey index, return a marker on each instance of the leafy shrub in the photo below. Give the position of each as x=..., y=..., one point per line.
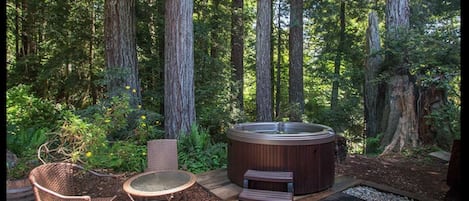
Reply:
x=197, y=153
x=447, y=123
x=119, y=156
x=373, y=145
x=84, y=136
x=72, y=140
x=122, y=122
x=28, y=120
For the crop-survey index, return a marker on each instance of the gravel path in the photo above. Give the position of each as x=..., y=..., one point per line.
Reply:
x=370, y=194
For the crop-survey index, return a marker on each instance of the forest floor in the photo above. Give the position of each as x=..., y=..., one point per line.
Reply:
x=421, y=175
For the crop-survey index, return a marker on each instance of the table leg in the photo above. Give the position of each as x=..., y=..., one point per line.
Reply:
x=131, y=198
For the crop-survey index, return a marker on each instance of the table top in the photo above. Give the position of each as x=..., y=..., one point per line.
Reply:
x=156, y=183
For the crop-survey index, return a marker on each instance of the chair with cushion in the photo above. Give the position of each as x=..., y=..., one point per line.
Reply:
x=59, y=181
x=162, y=155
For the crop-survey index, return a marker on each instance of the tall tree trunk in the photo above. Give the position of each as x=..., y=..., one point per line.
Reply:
x=338, y=58
x=278, y=86
x=121, y=49
x=158, y=79
x=17, y=30
x=296, y=95
x=401, y=126
x=264, y=61
x=373, y=102
x=91, y=85
x=215, y=44
x=237, y=50
x=179, y=99
x=27, y=48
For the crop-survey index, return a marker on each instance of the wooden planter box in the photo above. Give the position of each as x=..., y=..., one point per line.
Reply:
x=19, y=190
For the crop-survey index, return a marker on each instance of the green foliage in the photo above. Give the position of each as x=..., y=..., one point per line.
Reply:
x=22, y=168
x=197, y=153
x=25, y=110
x=72, y=140
x=119, y=156
x=347, y=118
x=373, y=145
x=25, y=143
x=120, y=121
x=447, y=123
x=57, y=50
x=28, y=120
x=85, y=138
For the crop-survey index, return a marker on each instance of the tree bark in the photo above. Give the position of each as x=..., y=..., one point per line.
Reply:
x=278, y=85
x=296, y=95
x=179, y=99
x=237, y=50
x=92, y=86
x=400, y=130
x=430, y=98
x=338, y=58
x=373, y=102
x=121, y=49
x=264, y=61
x=28, y=46
x=215, y=44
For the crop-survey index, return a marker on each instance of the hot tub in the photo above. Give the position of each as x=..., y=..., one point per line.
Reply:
x=305, y=149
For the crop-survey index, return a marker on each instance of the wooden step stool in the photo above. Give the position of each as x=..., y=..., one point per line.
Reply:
x=248, y=194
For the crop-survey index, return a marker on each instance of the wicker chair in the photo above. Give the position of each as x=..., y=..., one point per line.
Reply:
x=55, y=181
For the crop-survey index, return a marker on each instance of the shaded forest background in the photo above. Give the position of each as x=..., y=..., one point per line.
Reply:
x=56, y=64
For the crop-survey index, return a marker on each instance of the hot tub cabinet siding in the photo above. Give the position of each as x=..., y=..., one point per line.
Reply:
x=312, y=165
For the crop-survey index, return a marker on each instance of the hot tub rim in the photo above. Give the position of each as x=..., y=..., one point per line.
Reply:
x=325, y=135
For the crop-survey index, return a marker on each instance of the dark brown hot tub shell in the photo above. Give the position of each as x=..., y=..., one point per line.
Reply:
x=307, y=150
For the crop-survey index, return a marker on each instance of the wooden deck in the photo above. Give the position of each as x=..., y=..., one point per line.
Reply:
x=217, y=182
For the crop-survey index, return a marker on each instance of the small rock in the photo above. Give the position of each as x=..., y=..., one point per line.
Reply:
x=12, y=160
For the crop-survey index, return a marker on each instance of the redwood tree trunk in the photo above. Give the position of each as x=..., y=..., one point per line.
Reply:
x=373, y=102
x=121, y=49
x=402, y=123
x=338, y=58
x=264, y=61
x=179, y=100
x=296, y=95
x=400, y=130
x=278, y=80
x=237, y=50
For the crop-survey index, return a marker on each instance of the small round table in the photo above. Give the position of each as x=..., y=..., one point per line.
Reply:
x=158, y=183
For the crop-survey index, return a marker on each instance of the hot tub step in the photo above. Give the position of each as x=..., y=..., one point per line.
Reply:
x=264, y=195
x=269, y=176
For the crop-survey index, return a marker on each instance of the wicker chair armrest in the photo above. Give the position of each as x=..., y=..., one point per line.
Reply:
x=69, y=197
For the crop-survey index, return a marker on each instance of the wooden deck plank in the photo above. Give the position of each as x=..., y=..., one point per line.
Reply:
x=217, y=182
x=227, y=192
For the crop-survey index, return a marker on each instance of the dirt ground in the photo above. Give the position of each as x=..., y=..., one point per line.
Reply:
x=424, y=176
